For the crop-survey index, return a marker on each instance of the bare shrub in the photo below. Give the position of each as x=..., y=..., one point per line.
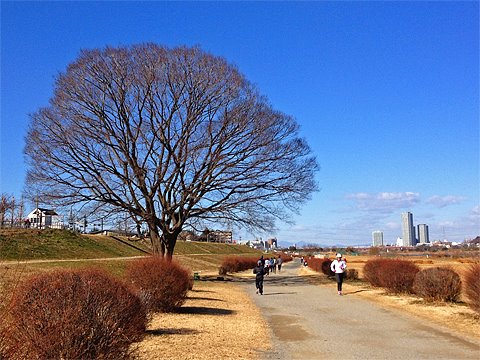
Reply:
x=162, y=284
x=394, y=275
x=286, y=258
x=397, y=276
x=472, y=287
x=326, y=269
x=371, y=271
x=438, y=284
x=351, y=274
x=231, y=264
x=74, y=315
x=314, y=263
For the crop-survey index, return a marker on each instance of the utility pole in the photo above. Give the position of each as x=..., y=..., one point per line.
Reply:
x=38, y=214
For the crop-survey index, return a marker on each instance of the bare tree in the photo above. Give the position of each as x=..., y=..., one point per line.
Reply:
x=172, y=136
x=4, y=206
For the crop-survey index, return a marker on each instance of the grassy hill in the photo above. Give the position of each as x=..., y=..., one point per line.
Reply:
x=53, y=244
x=33, y=244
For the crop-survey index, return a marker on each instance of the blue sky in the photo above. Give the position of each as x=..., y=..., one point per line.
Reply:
x=386, y=93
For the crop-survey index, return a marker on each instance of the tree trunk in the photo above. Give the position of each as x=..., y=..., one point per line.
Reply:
x=158, y=247
x=170, y=241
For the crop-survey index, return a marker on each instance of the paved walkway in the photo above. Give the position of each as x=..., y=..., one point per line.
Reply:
x=313, y=322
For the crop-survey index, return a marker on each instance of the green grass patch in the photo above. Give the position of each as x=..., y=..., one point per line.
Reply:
x=33, y=244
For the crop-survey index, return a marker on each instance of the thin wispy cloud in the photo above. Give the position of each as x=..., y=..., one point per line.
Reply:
x=443, y=201
x=475, y=211
x=384, y=202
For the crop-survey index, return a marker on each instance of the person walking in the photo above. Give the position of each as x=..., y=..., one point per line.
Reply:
x=273, y=264
x=259, y=272
x=338, y=266
x=279, y=262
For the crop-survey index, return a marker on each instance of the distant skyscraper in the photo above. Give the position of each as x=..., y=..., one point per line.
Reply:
x=408, y=230
x=377, y=238
x=422, y=232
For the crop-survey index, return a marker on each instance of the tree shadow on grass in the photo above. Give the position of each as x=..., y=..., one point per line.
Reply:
x=181, y=331
x=202, y=291
x=202, y=310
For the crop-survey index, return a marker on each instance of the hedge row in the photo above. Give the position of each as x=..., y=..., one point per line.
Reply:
x=89, y=314
x=472, y=287
x=231, y=264
x=323, y=265
x=432, y=284
x=395, y=275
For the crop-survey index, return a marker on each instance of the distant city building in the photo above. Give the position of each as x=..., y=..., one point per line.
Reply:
x=258, y=244
x=272, y=243
x=220, y=236
x=377, y=238
x=399, y=242
x=408, y=230
x=422, y=233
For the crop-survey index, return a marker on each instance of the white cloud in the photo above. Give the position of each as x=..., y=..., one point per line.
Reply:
x=384, y=202
x=392, y=225
x=442, y=201
x=475, y=211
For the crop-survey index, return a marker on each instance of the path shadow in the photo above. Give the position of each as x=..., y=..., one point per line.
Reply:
x=204, y=298
x=280, y=293
x=286, y=280
x=355, y=292
x=181, y=331
x=203, y=310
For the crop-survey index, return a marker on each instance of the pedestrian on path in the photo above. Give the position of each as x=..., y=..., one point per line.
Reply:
x=259, y=272
x=338, y=266
x=279, y=262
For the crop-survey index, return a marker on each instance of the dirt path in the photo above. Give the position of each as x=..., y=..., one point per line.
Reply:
x=313, y=322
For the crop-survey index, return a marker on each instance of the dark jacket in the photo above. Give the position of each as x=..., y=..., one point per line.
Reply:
x=259, y=271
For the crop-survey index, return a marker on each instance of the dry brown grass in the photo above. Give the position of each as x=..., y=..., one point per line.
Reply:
x=218, y=321
x=458, y=317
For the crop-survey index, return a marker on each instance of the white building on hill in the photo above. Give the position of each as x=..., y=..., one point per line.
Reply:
x=44, y=218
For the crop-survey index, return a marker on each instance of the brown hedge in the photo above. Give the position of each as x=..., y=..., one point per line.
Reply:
x=472, y=286
x=161, y=284
x=231, y=264
x=84, y=314
x=394, y=275
x=438, y=283
x=372, y=273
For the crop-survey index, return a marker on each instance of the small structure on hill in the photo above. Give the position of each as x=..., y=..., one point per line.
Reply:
x=42, y=218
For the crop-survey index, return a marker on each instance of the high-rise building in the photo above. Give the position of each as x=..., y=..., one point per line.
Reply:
x=408, y=230
x=377, y=238
x=422, y=232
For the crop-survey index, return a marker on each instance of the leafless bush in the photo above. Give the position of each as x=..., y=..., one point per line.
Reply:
x=74, y=315
x=231, y=264
x=438, y=284
x=351, y=274
x=162, y=285
x=371, y=271
x=472, y=287
x=394, y=275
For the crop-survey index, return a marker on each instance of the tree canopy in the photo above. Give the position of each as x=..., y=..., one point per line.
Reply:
x=174, y=137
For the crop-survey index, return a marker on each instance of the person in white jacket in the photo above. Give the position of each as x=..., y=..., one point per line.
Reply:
x=338, y=266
